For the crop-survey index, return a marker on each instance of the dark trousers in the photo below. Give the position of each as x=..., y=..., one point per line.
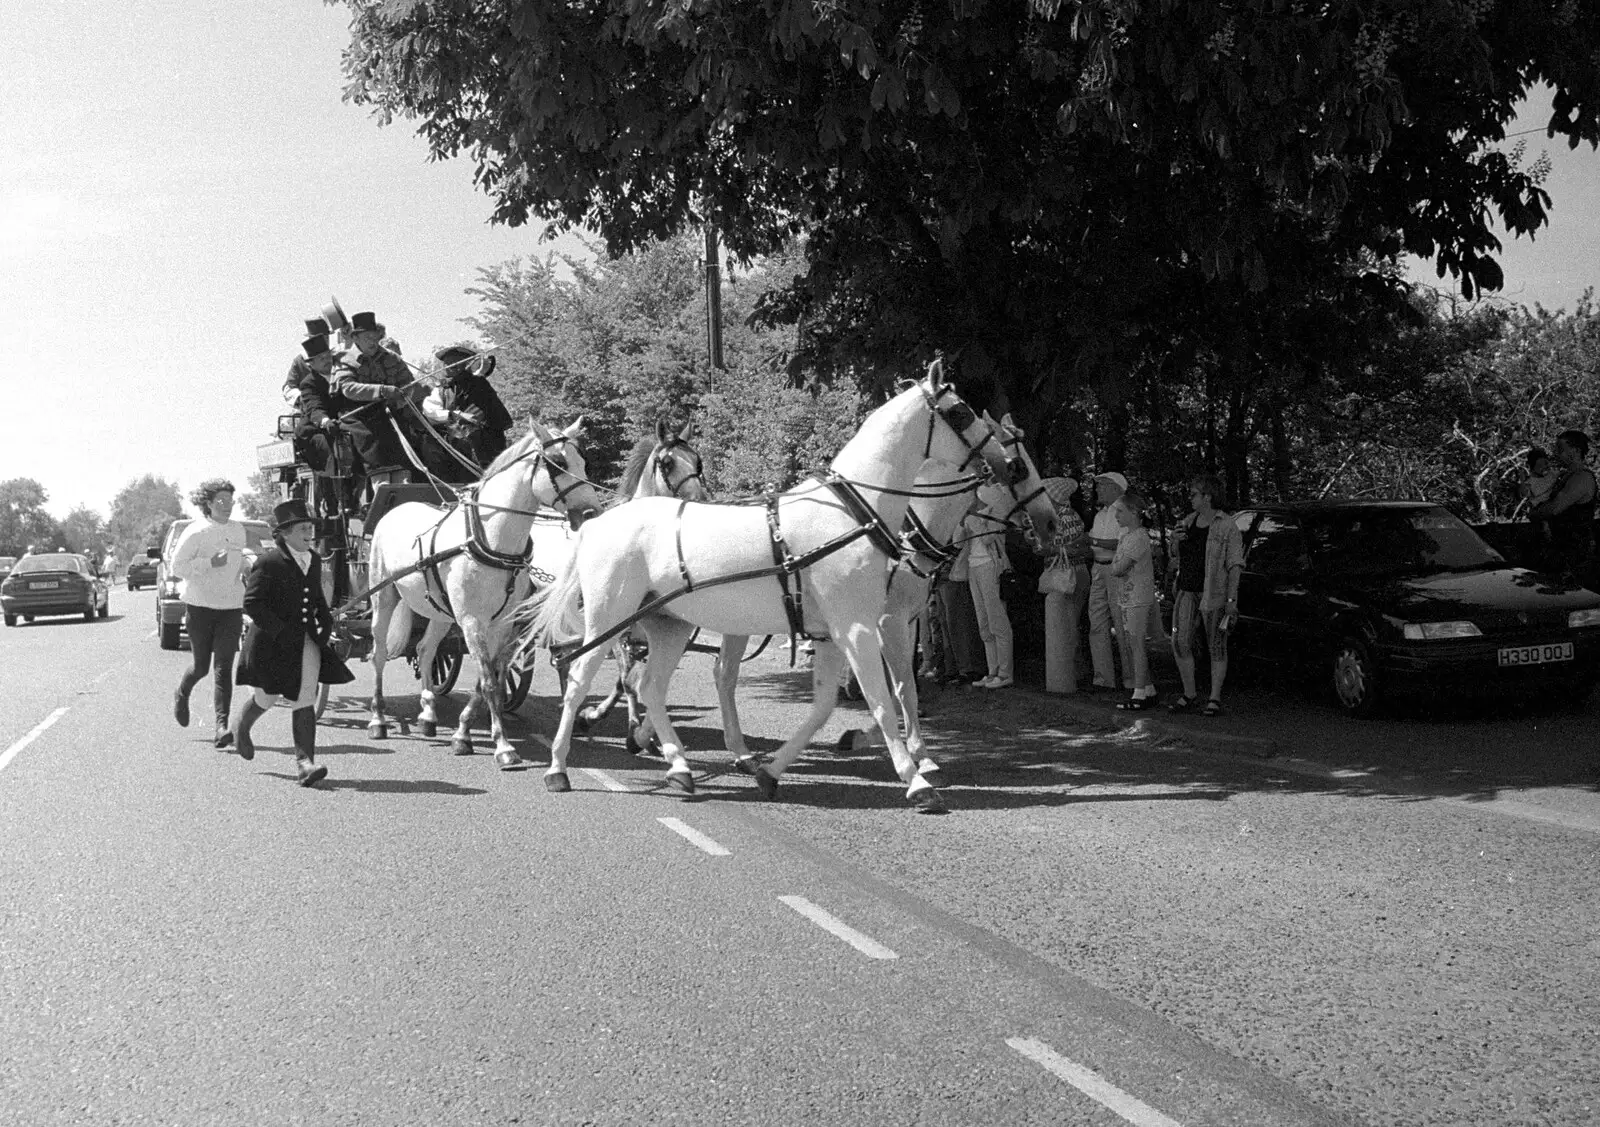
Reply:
x=962, y=653
x=213, y=641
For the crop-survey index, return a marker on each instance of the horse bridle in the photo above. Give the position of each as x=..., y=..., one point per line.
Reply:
x=664, y=458
x=1017, y=469
x=958, y=417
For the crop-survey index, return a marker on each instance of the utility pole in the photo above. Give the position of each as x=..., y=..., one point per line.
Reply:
x=713, y=300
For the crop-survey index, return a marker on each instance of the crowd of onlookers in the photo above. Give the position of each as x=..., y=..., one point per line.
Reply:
x=1101, y=577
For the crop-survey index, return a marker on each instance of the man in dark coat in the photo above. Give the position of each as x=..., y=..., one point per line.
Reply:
x=286, y=650
x=466, y=410
x=374, y=380
x=319, y=440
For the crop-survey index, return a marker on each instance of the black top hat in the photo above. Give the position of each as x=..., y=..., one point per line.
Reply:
x=315, y=346
x=334, y=315
x=287, y=513
x=365, y=323
x=317, y=327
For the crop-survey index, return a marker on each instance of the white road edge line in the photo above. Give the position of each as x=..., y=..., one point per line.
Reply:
x=695, y=837
x=605, y=780
x=10, y=753
x=868, y=946
x=1091, y=1084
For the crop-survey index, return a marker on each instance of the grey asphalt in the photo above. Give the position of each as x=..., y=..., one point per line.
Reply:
x=190, y=939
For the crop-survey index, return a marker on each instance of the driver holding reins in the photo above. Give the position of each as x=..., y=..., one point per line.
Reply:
x=374, y=381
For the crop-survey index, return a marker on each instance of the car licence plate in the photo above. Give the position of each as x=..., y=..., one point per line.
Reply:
x=1536, y=655
x=47, y=585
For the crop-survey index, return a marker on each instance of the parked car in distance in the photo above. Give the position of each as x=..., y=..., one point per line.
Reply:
x=142, y=572
x=170, y=625
x=6, y=564
x=51, y=583
x=1383, y=598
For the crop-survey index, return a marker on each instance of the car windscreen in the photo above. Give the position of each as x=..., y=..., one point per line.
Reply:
x=1397, y=542
x=50, y=561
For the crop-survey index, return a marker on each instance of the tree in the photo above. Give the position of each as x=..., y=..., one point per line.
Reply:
x=256, y=503
x=84, y=530
x=23, y=520
x=1040, y=186
x=141, y=513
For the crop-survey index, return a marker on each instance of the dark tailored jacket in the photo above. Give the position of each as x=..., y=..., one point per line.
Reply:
x=489, y=441
x=361, y=380
x=284, y=607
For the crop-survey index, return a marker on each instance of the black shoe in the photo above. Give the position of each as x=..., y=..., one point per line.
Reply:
x=224, y=737
x=180, y=707
x=310, y=772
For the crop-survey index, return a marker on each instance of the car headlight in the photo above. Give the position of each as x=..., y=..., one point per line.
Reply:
x=1579, y=618
x=1433, y=631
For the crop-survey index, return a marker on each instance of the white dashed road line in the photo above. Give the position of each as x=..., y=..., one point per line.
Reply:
x=1091, y=1084
x=605, y=780
x=10, y=753
x=695, y=837
x=868, y=946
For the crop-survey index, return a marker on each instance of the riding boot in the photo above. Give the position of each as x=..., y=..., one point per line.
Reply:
x=248, y=715
x=180, y=697
x=222, y=699
x=303, y=721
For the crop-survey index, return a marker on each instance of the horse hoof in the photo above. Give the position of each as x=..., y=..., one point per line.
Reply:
x=460, y=747
x=429, y=728
x=510, y=761
x=557, y=782
x=928, y=801
x=581, y=724
x=847, y=741
x=747, y=764
x=766, y=784
x=681, y=780
x=378, y=731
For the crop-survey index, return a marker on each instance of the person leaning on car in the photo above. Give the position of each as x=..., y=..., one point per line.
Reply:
x=1570, y=511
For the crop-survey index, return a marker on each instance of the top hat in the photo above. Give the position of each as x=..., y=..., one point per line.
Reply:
x=365, y=323
x=315, y=345
x=334, y=316
x=317, y=327
x=287, y=513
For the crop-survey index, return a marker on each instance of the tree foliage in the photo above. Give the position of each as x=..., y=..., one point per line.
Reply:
x=1044, y=186
x=257, y=501
x=141, y=513
x=622, y=342
x=23, y=520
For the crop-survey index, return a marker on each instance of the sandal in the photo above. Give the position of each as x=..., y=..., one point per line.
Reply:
x=1213, y=708
x=1183, y=704
x=1134, y=704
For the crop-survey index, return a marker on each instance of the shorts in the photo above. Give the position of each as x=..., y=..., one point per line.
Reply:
x=1184, y=611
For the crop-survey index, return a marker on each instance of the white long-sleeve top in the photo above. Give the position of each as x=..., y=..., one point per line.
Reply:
x=218, y=588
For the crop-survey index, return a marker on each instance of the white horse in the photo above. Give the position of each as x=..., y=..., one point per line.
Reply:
x=478, y=576
x=816, y=558
x=930, y=547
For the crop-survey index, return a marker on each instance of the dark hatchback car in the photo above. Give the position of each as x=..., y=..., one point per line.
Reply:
x=54, y=583
x=1381, y=598
x=142, y=572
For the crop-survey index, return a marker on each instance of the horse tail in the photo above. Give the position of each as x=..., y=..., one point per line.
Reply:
x=399, y=627
x=558, y=610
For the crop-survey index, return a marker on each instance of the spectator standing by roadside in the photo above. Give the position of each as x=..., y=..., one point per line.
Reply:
x=1570, y=511
x=959, y=651
x=1105, y=613
x=985, y=563
x=1133, y=566
x=210, y=558
x=1210, y=561
x=1065, y=585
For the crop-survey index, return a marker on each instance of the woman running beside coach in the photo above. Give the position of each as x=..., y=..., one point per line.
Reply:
x=210, y=557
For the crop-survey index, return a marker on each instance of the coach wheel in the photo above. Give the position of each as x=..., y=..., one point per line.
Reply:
x=446, y=668
x=516, y=686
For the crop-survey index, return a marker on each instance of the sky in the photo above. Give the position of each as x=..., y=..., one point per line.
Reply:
x=182, y=185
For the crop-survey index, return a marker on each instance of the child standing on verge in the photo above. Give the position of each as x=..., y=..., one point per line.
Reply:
x=286, y=651
x=1134, y=566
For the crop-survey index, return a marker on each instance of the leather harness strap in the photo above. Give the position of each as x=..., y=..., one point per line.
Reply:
x=783, y=561
x=683, y=567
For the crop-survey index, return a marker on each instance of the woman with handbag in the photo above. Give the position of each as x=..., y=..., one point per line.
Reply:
x=986, y=560
x=1065, y=586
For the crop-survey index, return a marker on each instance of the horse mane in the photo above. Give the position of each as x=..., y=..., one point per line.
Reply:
x=510, y=454
x=637, y=465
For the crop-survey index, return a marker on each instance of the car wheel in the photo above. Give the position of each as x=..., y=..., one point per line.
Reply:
x=105, y=611
x=169, y=635
x=89, y=612
x=1355, y=677
x=11, y=620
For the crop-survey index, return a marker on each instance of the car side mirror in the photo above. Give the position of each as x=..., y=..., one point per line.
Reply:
x=153, y=553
